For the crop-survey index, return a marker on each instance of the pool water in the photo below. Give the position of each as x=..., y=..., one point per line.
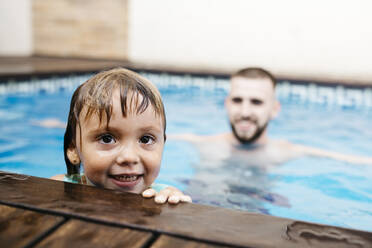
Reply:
x=308, y=188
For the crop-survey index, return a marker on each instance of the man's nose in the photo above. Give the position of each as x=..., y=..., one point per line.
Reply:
x=246, y=108
x=128, y=155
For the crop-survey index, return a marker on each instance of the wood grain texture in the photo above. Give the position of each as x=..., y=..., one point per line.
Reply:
x=19, y=227
x=205, y=223
x=167, y=241
x=76, y=233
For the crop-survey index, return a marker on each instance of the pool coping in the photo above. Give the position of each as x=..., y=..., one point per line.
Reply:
x=187, y=222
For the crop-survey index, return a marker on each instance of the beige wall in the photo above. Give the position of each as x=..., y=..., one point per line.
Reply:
x=80, y=28
x=15, y=28
x=319, y=39
x=307, y=39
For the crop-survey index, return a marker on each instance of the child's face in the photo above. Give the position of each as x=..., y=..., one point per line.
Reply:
x=125, y=156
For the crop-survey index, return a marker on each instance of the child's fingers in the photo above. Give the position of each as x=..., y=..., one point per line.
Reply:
x=162, y=196
x=185, y=198
x=174, y=199
x=172, y=195
x=179, y=197
x=148, y=193
x=175, y=195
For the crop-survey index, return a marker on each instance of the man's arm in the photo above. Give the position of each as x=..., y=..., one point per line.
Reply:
x=311, y=151
x=193, y=138
x=49, y=123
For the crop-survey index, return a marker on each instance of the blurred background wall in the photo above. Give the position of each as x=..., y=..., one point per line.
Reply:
x=319, y=39
x=15, y=28
x=80, y=28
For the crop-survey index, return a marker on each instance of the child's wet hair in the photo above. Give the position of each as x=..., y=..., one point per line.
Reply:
x=95, y=97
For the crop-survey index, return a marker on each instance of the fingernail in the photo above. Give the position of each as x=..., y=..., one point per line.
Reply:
x=174, y=199
x=146, y=193
x=160, y=199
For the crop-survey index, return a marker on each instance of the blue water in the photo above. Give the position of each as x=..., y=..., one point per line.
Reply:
x=316, y=189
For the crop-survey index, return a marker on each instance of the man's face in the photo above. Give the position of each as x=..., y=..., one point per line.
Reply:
x=127, y=154
x=250, y=105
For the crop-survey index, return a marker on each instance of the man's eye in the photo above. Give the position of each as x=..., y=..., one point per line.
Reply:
x=146, y=139
x=237, y=100
x=256, y=102
x=106, y=139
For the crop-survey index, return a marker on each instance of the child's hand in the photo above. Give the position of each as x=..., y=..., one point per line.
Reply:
x=170, y=194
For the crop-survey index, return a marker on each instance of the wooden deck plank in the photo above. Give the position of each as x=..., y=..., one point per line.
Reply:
x=167, y=241
x=197, y=222
x=76, y=233
x=19, y=227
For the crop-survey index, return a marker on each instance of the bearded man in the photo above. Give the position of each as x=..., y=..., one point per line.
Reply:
x=251, y=104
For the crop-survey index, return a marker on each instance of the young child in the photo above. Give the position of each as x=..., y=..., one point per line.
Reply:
x=116, y=131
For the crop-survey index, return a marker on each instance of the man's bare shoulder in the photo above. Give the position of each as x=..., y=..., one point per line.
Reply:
x=200, y=138
x=286, y=146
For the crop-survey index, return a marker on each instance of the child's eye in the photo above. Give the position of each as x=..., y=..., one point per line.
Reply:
x=106, y=139
x=147, y=139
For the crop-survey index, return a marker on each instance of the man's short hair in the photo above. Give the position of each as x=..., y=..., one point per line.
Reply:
x=253, y=73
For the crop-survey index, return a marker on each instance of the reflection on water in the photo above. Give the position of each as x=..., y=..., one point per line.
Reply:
x=234, y=183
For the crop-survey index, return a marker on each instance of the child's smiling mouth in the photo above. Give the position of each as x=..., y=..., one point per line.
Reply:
x=126, y=180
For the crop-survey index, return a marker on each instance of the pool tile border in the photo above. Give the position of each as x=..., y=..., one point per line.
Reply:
x=300, y=92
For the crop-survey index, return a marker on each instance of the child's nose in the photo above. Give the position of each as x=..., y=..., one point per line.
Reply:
x=127, y=156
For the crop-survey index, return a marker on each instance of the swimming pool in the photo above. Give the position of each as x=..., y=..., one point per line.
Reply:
x=311, y=189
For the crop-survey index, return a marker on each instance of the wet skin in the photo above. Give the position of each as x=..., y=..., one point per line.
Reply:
x=125, y=155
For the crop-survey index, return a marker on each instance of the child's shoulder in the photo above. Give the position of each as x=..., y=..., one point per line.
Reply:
x=74, y=178
x=60, y=177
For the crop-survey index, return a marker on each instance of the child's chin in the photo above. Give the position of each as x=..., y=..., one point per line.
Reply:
x=134, y=190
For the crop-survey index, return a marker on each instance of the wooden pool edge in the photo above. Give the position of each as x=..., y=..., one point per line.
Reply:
x=205, y=225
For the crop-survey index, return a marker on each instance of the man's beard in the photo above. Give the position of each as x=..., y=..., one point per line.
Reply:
x=253, y=138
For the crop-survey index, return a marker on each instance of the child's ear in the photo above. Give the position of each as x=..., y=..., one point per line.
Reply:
x=73, y=155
